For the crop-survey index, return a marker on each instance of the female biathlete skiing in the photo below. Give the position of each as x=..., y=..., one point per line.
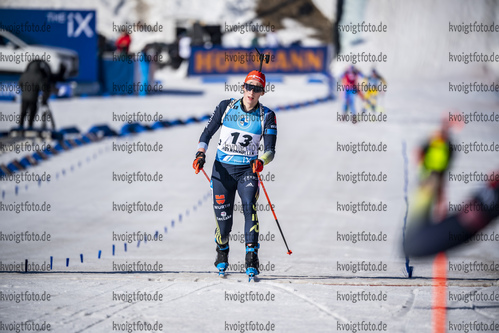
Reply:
x=244, y=123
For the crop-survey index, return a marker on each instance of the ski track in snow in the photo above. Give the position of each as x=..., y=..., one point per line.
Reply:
x=319, y=307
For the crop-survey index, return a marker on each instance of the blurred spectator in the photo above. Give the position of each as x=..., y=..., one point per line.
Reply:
x=350, y=82
x=271, y=39
x=197, y=34
x=184, y=46
x=254, y=41
x=174, y=53
x=374, y=81
x=36, y=78
x=123, y=42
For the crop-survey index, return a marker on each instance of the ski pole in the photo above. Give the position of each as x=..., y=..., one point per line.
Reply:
x=273, y=212
x=206, y=175
x=270, y=204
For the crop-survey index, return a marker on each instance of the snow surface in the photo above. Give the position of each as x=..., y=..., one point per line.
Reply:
x=305, y=194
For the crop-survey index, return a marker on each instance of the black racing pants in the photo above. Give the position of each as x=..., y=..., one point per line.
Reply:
x=225, y=180
x=28, y=107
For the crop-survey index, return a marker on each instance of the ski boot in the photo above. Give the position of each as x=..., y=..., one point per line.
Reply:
x=222, y=260
x=252, y=263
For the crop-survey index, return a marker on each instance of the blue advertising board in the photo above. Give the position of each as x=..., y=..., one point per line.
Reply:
x=69, y=29
x=288, y=60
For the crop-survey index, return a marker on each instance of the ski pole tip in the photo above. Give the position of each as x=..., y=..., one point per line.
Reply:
x=289, y=252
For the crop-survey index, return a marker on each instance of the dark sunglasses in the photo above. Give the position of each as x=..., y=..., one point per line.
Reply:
x=249, y=87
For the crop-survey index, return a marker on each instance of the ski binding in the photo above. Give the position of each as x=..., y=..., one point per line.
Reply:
x=222, y=267
x=252, y=273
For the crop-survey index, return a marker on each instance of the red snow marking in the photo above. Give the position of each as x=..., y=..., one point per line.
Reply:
x=439, y=293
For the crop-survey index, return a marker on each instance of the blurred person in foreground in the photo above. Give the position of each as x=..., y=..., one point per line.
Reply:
x=244, y=122
x=430, y=228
